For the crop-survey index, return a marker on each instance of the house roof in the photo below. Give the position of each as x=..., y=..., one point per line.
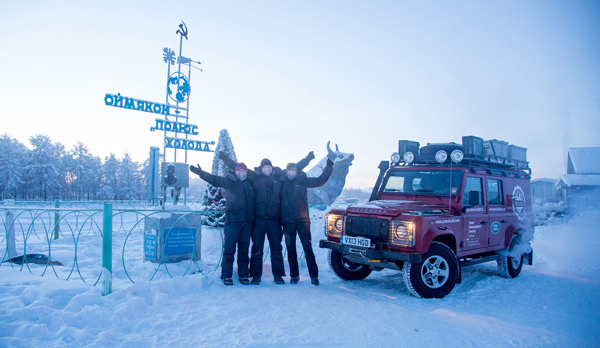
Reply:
x=583, y=160
x=579, y=180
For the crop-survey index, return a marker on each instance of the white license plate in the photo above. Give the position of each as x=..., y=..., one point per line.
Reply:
x=356, y=241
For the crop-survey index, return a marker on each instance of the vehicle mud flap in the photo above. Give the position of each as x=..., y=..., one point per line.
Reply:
x=529, y=258
x=459, y=280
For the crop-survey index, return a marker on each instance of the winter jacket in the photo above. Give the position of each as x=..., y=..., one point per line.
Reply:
x=239, y=197
x=267, y=195
x=294, y=201
x=267, y=189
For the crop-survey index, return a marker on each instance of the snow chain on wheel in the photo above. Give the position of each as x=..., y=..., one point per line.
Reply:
x=509, y=266
x=345, y=269
x=435, y=276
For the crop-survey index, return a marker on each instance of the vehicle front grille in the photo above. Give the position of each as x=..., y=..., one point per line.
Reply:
x=377, y=229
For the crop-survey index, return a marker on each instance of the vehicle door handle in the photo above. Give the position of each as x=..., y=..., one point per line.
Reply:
x=484, y=222
x=503, y=221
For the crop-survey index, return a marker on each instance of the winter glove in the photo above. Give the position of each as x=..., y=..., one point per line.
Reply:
x=222, y=155
x=196, y=169
x=311, y=156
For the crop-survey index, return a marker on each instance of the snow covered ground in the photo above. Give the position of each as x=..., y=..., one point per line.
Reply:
x=554, y=303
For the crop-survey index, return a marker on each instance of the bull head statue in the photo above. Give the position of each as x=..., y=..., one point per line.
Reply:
x=327, y=193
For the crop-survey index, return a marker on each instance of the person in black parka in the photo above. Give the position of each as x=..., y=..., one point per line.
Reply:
x=239, y=216
x=267, y=184
x=295, y=217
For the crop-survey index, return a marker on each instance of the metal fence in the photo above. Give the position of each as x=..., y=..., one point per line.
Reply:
x=76, y=240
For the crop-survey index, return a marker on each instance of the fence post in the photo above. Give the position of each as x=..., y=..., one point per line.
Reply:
x=10, y=233
x=107, y=249
x=56, y=219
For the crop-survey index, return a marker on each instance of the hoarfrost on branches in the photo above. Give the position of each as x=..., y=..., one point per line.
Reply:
x=214, y=198
x=48, y=172
x=12, y=157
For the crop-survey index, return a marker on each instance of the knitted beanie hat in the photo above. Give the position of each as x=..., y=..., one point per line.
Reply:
x=241, y=166
x=265, y=162
x=291, y=166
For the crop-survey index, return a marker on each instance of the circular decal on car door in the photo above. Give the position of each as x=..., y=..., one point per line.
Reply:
x=518, y=202
x=495, y=228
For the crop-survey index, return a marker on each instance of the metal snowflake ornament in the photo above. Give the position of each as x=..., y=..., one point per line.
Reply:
x=169, y=56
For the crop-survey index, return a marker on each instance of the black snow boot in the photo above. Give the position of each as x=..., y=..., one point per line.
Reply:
x=278, y=280
x=256, y=281
x=314, y=281
x=227, y=281
x=244, y=281
x=294, y=280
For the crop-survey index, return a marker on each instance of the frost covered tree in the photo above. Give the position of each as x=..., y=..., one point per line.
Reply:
x=67, y=177
x=81, y=167
x=129, y=178
x=110, y=172
x=92, y=184
x=12, y=162
x=48, y=172
x=214, y=199
x=197, y=190
x=43, y=169
x=146, y=175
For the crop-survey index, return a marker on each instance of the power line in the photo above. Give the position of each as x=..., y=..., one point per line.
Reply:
x=561, y=166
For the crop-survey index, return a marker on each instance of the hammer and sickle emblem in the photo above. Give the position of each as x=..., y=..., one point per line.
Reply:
x=182, y=30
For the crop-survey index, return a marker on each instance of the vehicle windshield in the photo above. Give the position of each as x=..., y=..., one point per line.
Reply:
x=433, y=182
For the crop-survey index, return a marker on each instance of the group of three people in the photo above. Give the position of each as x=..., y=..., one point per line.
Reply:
x=259, y=203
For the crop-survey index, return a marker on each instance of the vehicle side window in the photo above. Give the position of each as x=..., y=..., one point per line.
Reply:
x=473, y=184
x=416, y=184
x=495, y=196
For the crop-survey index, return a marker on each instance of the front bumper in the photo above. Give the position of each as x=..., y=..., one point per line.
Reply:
x=371, y=254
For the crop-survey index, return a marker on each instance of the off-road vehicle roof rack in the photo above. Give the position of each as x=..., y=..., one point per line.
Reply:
x=495, y=155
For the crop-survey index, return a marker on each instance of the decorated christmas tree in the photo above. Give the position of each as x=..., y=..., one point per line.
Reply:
x=214, y=199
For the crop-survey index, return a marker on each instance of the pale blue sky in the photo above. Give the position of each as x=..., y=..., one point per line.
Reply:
x=283, y=77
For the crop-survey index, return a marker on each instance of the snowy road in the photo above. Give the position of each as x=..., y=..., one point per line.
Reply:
x=554, y=303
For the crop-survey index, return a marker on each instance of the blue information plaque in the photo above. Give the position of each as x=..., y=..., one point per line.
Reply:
x=150, y=246
x=179, y=240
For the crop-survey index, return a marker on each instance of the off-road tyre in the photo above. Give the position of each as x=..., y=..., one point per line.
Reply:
x=345, y=269
x=508, y=266
x=439, y=260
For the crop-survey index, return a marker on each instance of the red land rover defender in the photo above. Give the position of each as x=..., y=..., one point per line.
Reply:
x=437, y=208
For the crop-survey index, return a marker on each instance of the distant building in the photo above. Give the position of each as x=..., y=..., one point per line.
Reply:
x=580, y=187
x=543, y=191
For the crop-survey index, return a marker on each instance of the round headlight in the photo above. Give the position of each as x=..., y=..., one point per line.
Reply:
x=457, y=156
x=339, y=224
x=401, y=231
x=409, y=157
x=441, y=156
x=395, y=158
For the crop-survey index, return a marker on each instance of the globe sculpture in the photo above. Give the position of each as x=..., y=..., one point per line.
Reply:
x=178, y=87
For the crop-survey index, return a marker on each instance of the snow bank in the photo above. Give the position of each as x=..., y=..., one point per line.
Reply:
x=553, y=303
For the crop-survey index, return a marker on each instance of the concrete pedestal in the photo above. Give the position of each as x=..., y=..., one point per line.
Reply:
x=171, y=237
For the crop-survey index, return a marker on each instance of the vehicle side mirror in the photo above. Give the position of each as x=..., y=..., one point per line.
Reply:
x=473, y=198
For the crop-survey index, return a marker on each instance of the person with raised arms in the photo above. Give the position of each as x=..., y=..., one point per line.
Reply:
x=267, y=184
x=295, y=217
x=239, y=217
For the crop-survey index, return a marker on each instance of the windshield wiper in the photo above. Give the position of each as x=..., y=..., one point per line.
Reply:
x=428, y=191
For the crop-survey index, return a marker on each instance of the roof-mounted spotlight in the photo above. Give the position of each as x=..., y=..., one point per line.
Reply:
x=395, y=158
x=441, y=156
x=457, y=156
x=409, y=157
